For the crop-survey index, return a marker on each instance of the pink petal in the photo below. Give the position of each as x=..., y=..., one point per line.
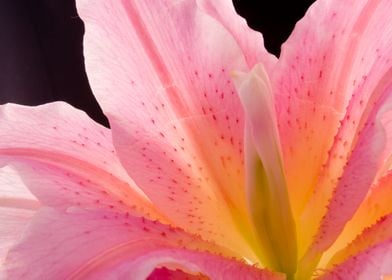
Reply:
x=250, y=41
x=13, y=192
x=17, y=206
x=372, y=263
x=79, y=244
x=167, y=274
x=379, y=232
x=55, y=144
x=325, y=81
x=160, y=70
x=336, y=56
x=371, y=149
x=13, y=222
x=376, y=205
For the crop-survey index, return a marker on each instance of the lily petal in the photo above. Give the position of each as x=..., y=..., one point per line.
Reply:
x=376, y=205
x=64, y=144
x=167, y=274
x=377, y=233
x=250, y=41
x=371, y=150
x=103, y=245
x=372, y=263
x=160, y=71
x=329, y=74
x=17, y=207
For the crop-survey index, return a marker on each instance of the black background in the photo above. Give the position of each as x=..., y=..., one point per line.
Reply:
x=41, y=47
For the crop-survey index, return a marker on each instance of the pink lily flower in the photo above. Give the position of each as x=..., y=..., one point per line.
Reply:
x=281, y=169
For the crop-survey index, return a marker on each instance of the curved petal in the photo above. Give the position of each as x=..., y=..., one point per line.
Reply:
x=376, y=205
x=55, y=143
x=250, y=41
x=379, y=232
x=79, y=244
x=63, y=189
x=17, y=207
x=324, y=81
x=13, y=192
x=332, y=69
x=164, y=273
x=370, y=151
x=369, y=264
x=160, y=71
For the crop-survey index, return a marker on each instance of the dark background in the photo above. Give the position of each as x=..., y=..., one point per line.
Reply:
x=41, y=47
